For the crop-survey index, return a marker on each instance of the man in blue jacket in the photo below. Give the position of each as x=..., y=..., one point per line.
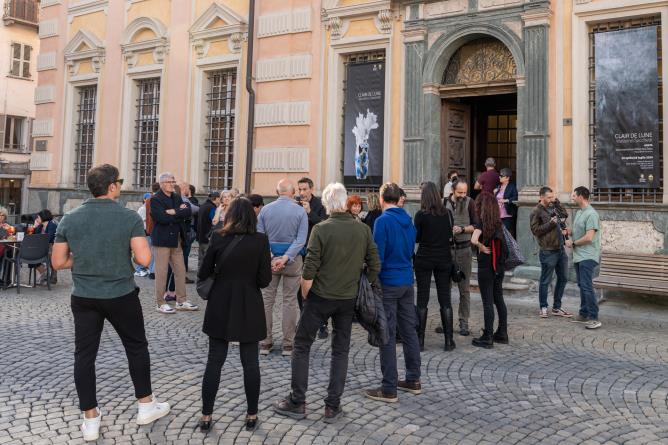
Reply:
x=395, y=234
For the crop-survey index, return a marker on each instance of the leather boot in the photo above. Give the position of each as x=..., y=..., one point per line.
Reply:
x=422, y=325
x=484, y=341
x=501, y=336
x=446, y=319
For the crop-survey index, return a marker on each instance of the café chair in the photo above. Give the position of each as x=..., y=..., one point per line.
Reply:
x=34, y=250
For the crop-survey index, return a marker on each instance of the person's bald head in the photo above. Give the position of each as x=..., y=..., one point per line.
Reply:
x=285, y=187
x=460, y=190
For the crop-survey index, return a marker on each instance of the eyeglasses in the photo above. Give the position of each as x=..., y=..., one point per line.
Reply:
x=169, y=182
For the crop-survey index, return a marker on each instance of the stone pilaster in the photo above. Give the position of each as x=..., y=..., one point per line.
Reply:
x=414, y=140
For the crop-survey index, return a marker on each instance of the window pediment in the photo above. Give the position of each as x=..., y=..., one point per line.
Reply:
x=218, y=22
x=337, y=17
x=145, y=33
x=84, y=45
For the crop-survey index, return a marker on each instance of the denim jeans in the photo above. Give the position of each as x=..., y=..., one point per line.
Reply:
x=400, y=313
x=588, y=301
x=551, y=261
x=316, y=312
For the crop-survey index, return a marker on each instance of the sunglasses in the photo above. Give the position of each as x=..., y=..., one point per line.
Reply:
x=119, y=181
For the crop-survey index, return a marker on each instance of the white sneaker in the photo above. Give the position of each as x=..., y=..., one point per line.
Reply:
x=593, y=324
x=165, y=309
x=91, y=427
x=186, y=306
x=543, y=313
x=141, y=273
x=151, y=411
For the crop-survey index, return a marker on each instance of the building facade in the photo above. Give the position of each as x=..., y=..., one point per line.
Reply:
x=19, y=46
x=358, y=91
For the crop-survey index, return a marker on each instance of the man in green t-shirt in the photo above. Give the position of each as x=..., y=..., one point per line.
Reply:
x=586, y=243
x=97, y=241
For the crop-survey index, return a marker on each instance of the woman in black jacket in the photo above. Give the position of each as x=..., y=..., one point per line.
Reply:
x=488, y=238
x=434, y=237
x=235, y=309
x=506, y=196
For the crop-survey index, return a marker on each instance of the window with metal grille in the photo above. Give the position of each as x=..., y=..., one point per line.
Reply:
x=623, y=195
x=220, y=122
x=354, y=58
x=146, y=132
x=85, y=142
x=20, y=60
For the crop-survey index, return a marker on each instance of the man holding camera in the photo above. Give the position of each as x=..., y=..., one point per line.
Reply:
x=547, y=225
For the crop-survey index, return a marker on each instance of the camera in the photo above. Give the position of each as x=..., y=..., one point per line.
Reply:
x=298, y=199
x=558, y=211
x=457, y=275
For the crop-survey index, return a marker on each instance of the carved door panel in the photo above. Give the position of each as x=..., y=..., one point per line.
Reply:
x=455, y=140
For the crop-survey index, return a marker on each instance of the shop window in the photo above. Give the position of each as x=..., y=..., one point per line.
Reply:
x=20, y=60
x=85, y=133
x=623, y=195
x=220, y=126
x=146, y=132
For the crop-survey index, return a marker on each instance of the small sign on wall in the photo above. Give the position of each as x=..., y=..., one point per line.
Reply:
x=40, y=145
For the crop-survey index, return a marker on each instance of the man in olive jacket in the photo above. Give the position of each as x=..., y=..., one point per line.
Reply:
x=337, y=251
x=548, y=233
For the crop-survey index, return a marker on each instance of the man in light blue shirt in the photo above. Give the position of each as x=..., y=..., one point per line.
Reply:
x=285, y=223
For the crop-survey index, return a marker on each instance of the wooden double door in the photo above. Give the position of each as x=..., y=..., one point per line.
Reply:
x=475, y=128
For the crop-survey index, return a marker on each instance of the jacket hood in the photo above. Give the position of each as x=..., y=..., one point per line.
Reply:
x=400, y=215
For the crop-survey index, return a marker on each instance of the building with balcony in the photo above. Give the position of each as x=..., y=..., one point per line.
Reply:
x=19, y=47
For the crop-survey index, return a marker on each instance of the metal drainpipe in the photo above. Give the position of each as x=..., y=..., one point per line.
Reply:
x=251, y=95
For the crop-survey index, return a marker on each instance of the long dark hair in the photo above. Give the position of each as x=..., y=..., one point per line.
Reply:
x=239, y=218
x=430, y=199
x=487, y=208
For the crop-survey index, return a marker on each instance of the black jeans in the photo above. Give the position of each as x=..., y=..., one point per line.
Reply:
x=423, y=270
x=125, y=315
x=317, y=311
x=491, y=291
x=249, y=360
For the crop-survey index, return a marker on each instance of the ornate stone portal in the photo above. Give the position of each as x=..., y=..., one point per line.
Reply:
x=481, y=61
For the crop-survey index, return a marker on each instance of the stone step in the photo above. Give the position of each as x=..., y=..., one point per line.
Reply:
x=507, y=286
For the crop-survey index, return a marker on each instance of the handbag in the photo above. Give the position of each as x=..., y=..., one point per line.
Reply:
x=205, y=286
x=456, y=273
x=513, y=253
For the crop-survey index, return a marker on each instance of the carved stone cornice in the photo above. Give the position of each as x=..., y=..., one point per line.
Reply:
x=235, y=29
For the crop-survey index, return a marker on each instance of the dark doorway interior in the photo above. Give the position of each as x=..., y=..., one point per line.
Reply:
x=475, y=128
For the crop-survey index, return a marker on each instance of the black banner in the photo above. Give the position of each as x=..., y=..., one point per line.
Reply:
x=364, y=116
x=627, y=109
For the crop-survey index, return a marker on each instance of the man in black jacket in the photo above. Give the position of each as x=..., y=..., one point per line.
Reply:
x=169, y=213
x=204, y=218
x=316, y=213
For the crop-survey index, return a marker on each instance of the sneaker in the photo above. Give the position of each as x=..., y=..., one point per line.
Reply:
x=151, y=275
x=332, y=415
x=186, y=306
x=141, y=273
x=561, y=313
x=287, y=351
x=543, y=313
x=379, y=395
x=287, y=407
x=323, y=333
x=165, y=309
x=463, y=328
x=91, y=427
x=265, y=349
x=593, y=324
x=579, y=319
x=151, y=411
x=413, y=387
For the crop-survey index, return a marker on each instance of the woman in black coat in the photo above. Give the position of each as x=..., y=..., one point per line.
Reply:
x=235, y=309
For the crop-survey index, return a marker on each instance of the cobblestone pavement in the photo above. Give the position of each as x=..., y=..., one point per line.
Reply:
x=556, y=383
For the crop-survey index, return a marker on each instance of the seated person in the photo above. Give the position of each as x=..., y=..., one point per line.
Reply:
x=44, y=223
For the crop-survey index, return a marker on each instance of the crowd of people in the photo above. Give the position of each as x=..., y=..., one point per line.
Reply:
x=315, y=250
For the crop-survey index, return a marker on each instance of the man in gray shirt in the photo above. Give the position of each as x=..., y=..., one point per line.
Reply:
x=286, y=225
x=96, y=241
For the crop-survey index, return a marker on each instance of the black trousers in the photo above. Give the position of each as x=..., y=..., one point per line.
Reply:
x=424, y=268
x=125, y=315
x=249, y=353
x=318, y=310
x=491, y=291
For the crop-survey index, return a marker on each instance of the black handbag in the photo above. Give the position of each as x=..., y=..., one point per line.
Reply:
x=205, y=286
x=456, y=273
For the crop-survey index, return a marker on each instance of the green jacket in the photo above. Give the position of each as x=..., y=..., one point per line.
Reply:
x=338, y=249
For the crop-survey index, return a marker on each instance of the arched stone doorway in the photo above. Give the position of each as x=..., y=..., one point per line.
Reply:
x=479, y=109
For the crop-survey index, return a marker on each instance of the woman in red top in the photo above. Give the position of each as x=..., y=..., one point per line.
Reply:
x=488, y=238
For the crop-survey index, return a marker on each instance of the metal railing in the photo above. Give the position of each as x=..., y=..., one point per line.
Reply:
x=21, y=11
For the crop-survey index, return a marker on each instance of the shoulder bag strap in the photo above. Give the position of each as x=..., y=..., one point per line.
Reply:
x=227, y=251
